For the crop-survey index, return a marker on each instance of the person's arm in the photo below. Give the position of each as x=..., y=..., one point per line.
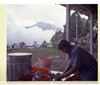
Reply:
x=69, y=72
x=69, y=66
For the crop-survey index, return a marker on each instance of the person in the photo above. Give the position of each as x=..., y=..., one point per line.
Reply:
x=79, y=60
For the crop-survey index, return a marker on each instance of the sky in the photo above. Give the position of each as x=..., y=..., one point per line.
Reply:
x=30, y=23
x=37, y=18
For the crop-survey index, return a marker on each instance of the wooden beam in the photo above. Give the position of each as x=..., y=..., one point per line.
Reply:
x=67, y=30
x=76, y=26
x=91, y=34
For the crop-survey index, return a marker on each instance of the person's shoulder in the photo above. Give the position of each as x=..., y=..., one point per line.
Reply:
x=75, y=48
x=78, y=49
x=81, y=50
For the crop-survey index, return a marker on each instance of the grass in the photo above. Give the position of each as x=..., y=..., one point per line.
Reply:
x=38, y=52
x=43, y=52
x=57, y=64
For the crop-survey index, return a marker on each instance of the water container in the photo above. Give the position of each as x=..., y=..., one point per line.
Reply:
x=18, y=64
x=45, y=62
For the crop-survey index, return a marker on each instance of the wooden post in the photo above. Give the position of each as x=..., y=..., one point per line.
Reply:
x=76, y=26
x=91, y=35
x=67, y=32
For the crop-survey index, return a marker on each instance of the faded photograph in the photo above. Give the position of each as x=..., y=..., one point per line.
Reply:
x=57, y=42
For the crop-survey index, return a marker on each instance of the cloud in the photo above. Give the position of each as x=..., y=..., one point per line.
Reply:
x=45, y=26
x=19, y=16
x=55, y=14
x=17, y=33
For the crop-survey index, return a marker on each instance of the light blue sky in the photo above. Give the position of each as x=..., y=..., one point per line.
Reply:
x=19, y=16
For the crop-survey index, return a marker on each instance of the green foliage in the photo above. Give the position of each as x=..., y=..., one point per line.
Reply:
x=56, y=38
x=83, y=26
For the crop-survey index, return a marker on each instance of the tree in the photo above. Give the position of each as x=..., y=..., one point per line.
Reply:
x=22, y=44
x=14, y=45
x=44, y=44
x=83, y=26
x=56, y=38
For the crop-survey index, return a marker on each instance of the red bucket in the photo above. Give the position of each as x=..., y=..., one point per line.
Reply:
x=44, y=77
x=42, y=70
x=45, y=62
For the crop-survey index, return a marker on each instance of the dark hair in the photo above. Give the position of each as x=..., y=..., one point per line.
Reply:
x=63, y=44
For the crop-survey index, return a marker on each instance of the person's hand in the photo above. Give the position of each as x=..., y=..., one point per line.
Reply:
x=58, y=77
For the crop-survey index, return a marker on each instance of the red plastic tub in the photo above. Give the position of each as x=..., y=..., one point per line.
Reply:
x=42, y=70
x=45, y=62
x=44, y=77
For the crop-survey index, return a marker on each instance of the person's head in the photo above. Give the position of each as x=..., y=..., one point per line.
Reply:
x=64, y=46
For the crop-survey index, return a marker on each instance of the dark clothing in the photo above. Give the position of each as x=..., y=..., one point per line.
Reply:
x=84, y=63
